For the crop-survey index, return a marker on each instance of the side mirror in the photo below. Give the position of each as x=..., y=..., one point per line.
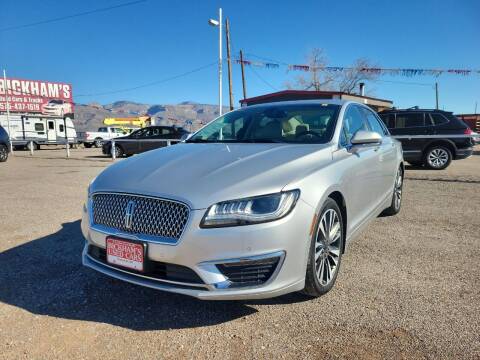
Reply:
x=363, y=137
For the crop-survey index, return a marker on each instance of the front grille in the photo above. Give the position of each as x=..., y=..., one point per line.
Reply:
x=150, y=216
x=249, y=272
x=153, y=269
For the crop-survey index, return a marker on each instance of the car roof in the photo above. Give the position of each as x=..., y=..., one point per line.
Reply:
x=415, y=110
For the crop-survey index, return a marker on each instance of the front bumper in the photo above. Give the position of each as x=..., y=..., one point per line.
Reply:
x=202, y=250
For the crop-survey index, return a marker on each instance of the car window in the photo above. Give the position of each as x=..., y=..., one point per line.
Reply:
x=102, y=129
x=60, y=128
x=292, y=123
x=167, y=131
x=353, y=121
x=407, y=120
x=388, y=120
x=439, y=119
x=374, y=122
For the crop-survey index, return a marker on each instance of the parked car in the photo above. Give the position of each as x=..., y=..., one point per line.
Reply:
x=258, y=203
x=4, y=145
x=429, y=137
x=97, y=138
x=145, y=139
x=57, y=107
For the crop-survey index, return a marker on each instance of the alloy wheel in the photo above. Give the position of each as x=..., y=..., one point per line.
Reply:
x=327, y=246
x=3, y=153
x=437, y=158
x=398, y=189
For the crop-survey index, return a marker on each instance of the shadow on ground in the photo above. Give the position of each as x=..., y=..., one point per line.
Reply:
x=45, y=277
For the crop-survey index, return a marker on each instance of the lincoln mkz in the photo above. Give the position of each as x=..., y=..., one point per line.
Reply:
x=258, y=203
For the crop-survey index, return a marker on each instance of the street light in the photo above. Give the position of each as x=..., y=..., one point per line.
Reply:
x=218, y=23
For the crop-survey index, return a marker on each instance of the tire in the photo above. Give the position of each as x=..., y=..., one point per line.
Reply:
x=35, y=146
x=397, y=196
x=118, y=151
x=438, y=157
x=3, y=153
x=98, y=142
x=87, y=145
x=416, y=163
x=323, y=263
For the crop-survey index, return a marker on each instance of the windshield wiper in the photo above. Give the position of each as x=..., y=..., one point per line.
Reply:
x=263, y=141
x=198, y=141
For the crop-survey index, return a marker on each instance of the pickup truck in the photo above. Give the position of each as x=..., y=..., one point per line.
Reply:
x=96, y=138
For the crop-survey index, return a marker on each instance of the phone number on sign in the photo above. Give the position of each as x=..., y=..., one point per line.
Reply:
x=20, y=107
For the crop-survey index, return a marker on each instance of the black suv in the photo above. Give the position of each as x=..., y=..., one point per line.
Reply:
x=4, y=145
x=432, y=138
x=142, y=140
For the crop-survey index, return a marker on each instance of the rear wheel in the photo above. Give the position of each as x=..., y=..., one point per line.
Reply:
x=325, y=251
x=396, y=204
x=3, y=153
x=438, y=157
x=118, y=151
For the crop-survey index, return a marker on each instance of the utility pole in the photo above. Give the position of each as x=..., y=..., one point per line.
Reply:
x=220, y=60
x=229, y=63
x=243, y=76
x=7, y=104
x=436, y=94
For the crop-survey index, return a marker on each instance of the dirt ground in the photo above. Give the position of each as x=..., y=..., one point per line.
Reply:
x=409, y=287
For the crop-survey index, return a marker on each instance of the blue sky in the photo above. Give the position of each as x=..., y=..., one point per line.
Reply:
x=154, y=40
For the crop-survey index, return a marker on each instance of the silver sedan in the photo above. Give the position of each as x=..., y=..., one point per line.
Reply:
x=258, y=203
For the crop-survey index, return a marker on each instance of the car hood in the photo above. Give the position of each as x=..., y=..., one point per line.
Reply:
x=204, y=174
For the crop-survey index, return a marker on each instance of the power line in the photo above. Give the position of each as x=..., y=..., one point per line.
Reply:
x=42, y=22
x=262, y=79
x=405, y=82
x=151, y=83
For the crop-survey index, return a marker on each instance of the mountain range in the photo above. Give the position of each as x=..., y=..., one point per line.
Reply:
x=187, y=114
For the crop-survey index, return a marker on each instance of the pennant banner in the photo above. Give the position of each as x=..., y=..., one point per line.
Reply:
x=371, y=70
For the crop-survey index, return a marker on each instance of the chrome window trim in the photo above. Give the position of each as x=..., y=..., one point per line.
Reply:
x=141, y=237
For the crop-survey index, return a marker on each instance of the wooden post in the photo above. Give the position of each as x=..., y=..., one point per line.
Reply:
x=229, y=63
x=243, y=76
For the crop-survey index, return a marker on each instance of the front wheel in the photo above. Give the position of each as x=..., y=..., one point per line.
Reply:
x=3, y=153
x=325, y=251
x=438, y=157
x=98, y=143
x=118, y=151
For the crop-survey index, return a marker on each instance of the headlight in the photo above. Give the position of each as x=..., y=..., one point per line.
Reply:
x=250, y=210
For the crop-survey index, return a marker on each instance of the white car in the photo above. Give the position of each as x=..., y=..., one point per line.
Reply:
x=57, y=107
x=260, y=202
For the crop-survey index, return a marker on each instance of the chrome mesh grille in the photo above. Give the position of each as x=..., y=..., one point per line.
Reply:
x=151, y=216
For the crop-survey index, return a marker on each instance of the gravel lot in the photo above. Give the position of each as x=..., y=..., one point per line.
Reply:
x=409, y=287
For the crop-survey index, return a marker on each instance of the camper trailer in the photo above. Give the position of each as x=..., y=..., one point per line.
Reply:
x=39, y=130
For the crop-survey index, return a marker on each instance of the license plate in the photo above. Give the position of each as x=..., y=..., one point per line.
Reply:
x=125, y=253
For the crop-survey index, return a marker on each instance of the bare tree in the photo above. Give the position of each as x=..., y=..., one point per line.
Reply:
x=348, y=80
x=318, y=78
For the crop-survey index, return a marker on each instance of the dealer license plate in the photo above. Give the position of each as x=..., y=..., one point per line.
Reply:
x=125, y=253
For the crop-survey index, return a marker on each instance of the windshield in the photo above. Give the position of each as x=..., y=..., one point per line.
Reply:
x=294, y=123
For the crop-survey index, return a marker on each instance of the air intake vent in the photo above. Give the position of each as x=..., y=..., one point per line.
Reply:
x=249, y=272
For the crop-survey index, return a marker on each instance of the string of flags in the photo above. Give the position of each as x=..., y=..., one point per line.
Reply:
x=371, y=70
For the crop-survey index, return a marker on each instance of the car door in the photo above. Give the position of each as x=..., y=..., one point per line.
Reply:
x=411, y=129
x=149, y=139
x=360, y=168
x=387, y=153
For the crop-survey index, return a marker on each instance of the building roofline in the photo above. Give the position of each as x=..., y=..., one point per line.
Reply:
x=307, y=92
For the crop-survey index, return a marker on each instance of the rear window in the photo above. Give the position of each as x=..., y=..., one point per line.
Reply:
x=439, y=119
x=409, y=120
